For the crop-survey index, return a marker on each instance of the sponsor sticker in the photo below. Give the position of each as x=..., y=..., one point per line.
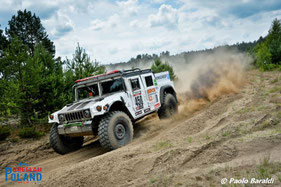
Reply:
x=138, y=100
x=138, y=113
x=147, y=110
x=155, y=82
x=161, y=77
x=136, y=94
x=74, y=128
x=157, y=105
x=151, y=90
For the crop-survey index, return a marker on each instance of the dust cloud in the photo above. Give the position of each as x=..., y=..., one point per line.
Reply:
x=209, y=76
x=203, y=77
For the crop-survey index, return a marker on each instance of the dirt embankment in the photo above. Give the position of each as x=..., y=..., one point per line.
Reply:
x=230, y=127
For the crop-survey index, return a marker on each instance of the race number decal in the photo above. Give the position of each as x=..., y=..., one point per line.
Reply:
x=138, y=100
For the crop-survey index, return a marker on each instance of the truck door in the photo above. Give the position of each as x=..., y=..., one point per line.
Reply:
x=151, y=91
x=138, y=95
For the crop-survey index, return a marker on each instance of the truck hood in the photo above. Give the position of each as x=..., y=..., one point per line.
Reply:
x=80, y=105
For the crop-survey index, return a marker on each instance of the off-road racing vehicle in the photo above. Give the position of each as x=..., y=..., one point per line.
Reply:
x=107, y=105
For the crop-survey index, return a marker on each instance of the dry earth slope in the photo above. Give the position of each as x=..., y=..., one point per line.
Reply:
x=234, y=135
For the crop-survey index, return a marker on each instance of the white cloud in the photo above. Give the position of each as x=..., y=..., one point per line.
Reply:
x=116, y=31
x=114, y=20
x=166, y=16
x=159, y=1
x=58, y=25
x=130, y=7
x=97, y=25
x=134, y=23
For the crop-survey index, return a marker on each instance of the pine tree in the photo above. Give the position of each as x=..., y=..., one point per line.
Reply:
x=82, y=65
x=29, y=30
x=158, y=66
x=274, y=41
x=3, y=41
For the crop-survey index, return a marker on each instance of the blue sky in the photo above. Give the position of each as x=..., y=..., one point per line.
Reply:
x=115, y=31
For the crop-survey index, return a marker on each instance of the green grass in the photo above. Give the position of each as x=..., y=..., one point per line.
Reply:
x=163, y=144
x=275, y=81
x=261, y=108
x=179, y=184
x=30, y=132
x=189, y=139
x=275, y=89
x=5, y=132
x=267, y=169
x=207, y=137
x=265, y=125
x=264, y=169
x=276, y=120
x=160, y=180
x=14, y=139
x=279, y=178
x=279, y=115
x=226, y=133
x=153, y=180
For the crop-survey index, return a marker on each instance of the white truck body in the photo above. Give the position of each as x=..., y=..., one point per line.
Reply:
x=141, y=96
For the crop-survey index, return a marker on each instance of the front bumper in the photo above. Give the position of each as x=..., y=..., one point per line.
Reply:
x=76, y=129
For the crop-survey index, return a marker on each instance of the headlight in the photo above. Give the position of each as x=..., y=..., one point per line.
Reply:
x=105, y=107
x=61, y=117
x=87, y=113
x=98, y=108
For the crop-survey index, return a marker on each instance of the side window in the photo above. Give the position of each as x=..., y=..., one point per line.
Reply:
x=148, y=81
x=135, y=84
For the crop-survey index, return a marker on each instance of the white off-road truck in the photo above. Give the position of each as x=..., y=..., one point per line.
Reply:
x=107, y=105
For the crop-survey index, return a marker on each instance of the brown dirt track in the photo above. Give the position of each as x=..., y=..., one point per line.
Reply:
x=235, y=135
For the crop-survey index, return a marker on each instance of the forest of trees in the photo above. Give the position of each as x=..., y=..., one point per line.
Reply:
x=268, y=52
x=34, y=83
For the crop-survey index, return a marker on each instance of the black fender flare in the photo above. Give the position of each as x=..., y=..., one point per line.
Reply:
x=119, y=105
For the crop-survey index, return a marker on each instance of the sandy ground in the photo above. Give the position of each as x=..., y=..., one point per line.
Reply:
x=234, y=136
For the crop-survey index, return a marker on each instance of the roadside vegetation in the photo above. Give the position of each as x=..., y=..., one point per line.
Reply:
x=268, y=52
x=33, y=83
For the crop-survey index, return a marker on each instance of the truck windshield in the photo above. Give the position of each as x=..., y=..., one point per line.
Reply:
x=87, y=91
x=111, y=86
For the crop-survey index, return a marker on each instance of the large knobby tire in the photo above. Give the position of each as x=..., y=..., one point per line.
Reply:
x=169, y=106
x=64, y=144
x=115, y=130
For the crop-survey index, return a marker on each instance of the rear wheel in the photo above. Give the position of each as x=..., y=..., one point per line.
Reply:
x=115, y=130
x=64, y=144
x=169, y=107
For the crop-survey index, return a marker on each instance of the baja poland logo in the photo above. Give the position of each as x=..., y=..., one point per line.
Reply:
x=23, y=174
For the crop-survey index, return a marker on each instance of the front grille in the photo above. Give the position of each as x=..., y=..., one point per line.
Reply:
x=74, y=116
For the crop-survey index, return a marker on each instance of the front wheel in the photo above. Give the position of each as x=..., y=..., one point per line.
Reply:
x=64, y=144
x=169, y=107
x=115, y=130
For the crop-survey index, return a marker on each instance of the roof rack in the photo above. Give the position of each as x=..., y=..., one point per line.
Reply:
x=125, y=73
x=135, y=71
x=100, y=76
